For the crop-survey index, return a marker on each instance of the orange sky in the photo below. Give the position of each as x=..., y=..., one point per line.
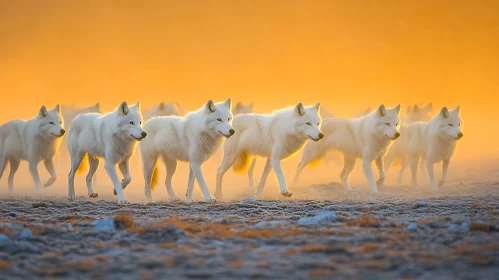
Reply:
x=346, y=54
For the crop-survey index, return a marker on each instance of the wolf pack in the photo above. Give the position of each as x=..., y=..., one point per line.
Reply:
x=170, y=134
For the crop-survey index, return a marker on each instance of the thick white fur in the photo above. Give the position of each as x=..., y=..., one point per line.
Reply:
x=240, y=108
x=192, y=138
x=397, y=152
x=367, y=138
x=275, y=136
x=433, y=142
x=34, y=140
x=112, y=136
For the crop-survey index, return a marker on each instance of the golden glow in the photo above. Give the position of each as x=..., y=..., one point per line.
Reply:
x=346, y=54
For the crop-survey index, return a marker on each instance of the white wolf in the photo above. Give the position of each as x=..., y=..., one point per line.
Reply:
x=240, y=108
x=165, y=109
x=276, y=136
x=34, y=140
x=367, y=138
x=434, y=141
x=192, y=138
x=397, y=152
x=112, y=136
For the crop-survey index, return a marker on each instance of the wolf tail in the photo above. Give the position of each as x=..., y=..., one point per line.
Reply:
x=242, y=163
x=83, y=165
x=154, y=179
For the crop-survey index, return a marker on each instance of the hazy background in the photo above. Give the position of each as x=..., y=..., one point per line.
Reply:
x=346, y=54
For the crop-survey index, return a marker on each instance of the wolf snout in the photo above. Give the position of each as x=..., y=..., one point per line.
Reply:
x=144, y=134
x=397, y=135
x=63, y=131
x=232, y=131
x=460, y=135
x=321, y=135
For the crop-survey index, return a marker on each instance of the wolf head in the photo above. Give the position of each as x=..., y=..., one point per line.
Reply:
x=51, y=123
x=242, y=109
x=164, y=109
x=129, y=122
x=308, y=121
x=450, y=124
x=418, y=114
x=218, y=118
x=387, y=122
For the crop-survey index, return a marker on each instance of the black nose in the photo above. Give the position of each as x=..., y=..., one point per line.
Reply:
x=397, y=135
x=144, y=134
x=321, y=135
x=63, y=131
x=232, y=131
x=460, y=134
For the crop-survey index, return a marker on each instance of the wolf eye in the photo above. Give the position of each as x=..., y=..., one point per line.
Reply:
x=397, y=124
x=132, y=123
x=318, y=124
x=450, y=125
x=51, y=122
x=459, y=125
x=140, y=122
x=228, y=120
x=309, y=124
x=387, y=124
x=219, y=119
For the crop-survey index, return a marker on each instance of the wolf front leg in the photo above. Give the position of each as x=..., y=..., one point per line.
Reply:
x=445, y=169
x=367, y=160
x=111, y=171
x=381, y=170
x=431, y=174
x=275, y=162
x=49, y=164
x=33, y=169
x=198, y=174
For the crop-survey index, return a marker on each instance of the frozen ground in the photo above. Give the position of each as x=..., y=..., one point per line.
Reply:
x=450, y=234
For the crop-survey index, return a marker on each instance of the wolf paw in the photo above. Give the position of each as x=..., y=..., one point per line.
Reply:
x=380, y=182
x=49, y=183
x=72, y=197
x=93, y=195
x=172, y=199
x=287, y=193
x=123, y=201
x=441, y=183
x=219, y=195
x=210, y=200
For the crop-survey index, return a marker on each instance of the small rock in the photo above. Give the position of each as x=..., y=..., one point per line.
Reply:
x=3, y=239
x=270, y=224
x=104, y=225
x=412, y=227
x=25, y=234
x=39, y=204
x=464, y=227
x=321, y=217
x=420, y=204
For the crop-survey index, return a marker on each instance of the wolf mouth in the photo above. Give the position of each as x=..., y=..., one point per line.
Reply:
x=137, y=138
x=314, y=139
x=60, y=135
x=454, y=137
x=226, y=136
x=395, y=138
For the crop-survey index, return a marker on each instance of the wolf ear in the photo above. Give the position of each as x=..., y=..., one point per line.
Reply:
x=397, y=109
x=57, y=109
x=415, y=108
x=318, y=107
x=238, y=105
x=299, y=109
x=137, y=106
x=381, y=110
x=228, y=103
x=97, y=106
x=457, y=110
x=444, y=113
x=429, y=107
x=123, y=109
x=210, y=106
x=43, y=112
